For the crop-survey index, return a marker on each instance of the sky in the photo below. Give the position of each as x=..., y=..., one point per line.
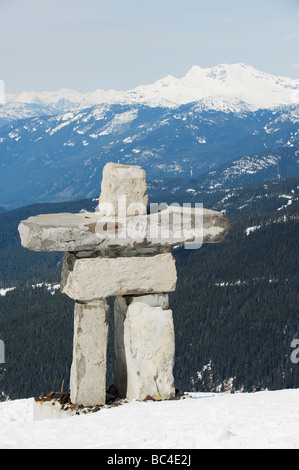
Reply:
x=46, y=45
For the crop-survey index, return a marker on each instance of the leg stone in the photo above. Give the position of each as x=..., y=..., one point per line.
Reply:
x=120, y=370
x=88, y=371
x=145, y=358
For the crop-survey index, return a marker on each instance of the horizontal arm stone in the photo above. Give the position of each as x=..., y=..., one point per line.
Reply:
x=91, y=231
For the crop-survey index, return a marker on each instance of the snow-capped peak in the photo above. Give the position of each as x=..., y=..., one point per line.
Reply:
x=237, y=81
x=218, y=87
x=226, y=87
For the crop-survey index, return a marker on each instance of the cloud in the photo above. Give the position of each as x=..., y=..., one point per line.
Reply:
x=292, y=37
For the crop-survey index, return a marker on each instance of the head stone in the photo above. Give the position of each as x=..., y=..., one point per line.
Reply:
x=123, y=191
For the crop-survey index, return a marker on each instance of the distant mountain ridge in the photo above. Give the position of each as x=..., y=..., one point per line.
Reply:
x=227, y=125
x=219, y=88
x=58, y=158
x=225, y=87
x=31, y=104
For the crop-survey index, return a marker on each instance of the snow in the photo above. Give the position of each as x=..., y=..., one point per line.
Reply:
x=3, y=292
x=120, y=120
x=191, y=190
x=262, y=420
x=289, y=203
x=62, y=98
x=252, y=229
x=226, y=87
x=223, y=87
x=236, y=283
x=247, y=165
x=50, y=287
x=60, y=126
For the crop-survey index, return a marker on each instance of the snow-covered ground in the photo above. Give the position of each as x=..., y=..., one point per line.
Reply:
x=206, y=420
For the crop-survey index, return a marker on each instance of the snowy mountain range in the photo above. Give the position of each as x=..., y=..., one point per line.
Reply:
x=29, y=104
x=225, y=87
x=54, y=145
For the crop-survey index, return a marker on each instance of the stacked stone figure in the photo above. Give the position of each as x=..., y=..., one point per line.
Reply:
x=121, y=251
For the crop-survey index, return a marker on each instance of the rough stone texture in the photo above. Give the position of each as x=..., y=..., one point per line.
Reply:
x=92, y=232
x=88, y=371
x=2, y=352
x=49, y=410
x=152, y=300
x=147, y=350
x=120, y=369
x=123, y=190
x=95, y=278
x=120, y=250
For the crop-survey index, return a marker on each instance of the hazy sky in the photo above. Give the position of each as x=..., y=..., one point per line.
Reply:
x=91, y=44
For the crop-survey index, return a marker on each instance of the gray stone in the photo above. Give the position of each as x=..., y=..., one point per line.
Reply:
x=120, y=369
x=50, y=410
x=122, y=251
x=123, y=190
x=60, y=232
x=152, y=300
x=93, y=232
x=145, y=348
x=88, y=371
x=95, y=278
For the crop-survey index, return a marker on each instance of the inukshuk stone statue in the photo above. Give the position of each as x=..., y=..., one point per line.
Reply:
x=122, y=251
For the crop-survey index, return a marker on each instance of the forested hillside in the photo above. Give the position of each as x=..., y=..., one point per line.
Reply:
x=235, y=306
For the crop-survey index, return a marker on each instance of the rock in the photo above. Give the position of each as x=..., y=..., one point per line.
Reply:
x=95, y=278
x=88, y=371
x=50, y=410
x=59, y=232
x=123, y=191
x=120, y=368
x=144, y=336
x=121, y=251
x=93, y=232
x=152, y=300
